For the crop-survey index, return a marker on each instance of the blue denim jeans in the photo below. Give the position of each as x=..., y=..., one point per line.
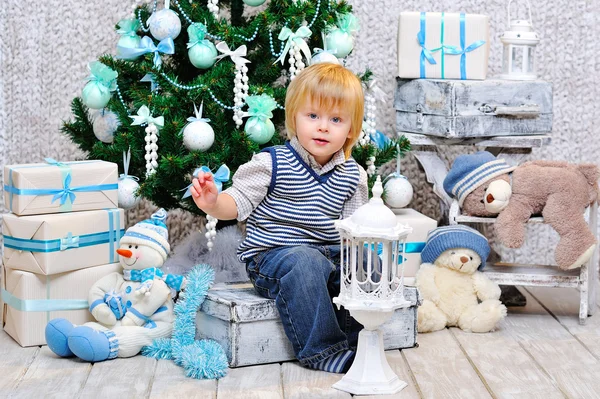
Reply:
x=303, y=279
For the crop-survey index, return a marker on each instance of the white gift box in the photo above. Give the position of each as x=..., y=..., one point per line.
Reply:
x=415, y=241
x=30, y=301
x=58, y=243
x=53, y=187
x=437, y=45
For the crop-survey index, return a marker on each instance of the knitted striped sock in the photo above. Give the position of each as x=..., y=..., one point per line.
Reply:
x=338, y=363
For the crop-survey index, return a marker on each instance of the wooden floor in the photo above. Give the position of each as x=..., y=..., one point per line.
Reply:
x=539, y=351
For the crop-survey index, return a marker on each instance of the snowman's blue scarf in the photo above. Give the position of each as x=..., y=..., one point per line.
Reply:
x=173, y=280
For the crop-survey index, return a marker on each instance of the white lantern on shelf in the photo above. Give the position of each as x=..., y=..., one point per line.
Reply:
x=518, y=57
x=371, y=290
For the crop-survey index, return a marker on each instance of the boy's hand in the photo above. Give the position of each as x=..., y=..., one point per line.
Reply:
x=204, y=191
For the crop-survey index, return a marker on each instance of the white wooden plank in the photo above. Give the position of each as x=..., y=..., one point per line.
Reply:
x=303, y=383
x=574, y=369
x=400, y=366
x=563, y=303
x=121, y=378
x=14, y=361
x=532, y=275
x=442, y=370
x=170, y=382
x=533, y=141
x=255, y=382
x=477, y=219
x=50, y=376
x=506, y=367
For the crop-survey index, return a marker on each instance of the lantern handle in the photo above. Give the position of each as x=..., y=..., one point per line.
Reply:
x=528, y=9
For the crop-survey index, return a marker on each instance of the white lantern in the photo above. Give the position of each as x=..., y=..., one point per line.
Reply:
x=518, y=58
x=371, y=289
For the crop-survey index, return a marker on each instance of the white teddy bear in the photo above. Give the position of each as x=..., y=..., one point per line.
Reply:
x=455, y=293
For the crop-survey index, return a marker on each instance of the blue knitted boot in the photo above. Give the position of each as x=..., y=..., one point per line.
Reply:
x=57, y=333
x=93, y=345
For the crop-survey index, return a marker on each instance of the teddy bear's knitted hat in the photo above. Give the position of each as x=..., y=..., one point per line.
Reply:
x=150, y=232
x=471, y=171
x=456, y=236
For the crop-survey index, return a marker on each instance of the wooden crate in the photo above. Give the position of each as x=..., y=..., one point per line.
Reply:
x=250, y=330
x=470, y=108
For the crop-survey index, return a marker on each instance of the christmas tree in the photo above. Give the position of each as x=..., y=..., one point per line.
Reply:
x=200, y=83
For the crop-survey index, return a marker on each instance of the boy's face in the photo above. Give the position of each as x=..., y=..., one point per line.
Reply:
x=322, y=133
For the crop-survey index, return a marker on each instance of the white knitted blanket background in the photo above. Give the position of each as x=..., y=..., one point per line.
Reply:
x=45, y=47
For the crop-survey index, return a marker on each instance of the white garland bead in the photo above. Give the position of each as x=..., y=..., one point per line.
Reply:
x=245, y=78
x=244, y=69
x=300, y=65
x=293, y=50
x=210, y=245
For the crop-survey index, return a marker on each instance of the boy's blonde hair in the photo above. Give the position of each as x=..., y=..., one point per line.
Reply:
x=328, y=86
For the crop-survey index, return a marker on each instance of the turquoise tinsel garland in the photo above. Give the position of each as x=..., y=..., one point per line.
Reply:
x=204, y=359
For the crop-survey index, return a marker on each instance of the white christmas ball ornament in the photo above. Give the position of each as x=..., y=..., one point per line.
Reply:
x=105, y=125
x=254, y=3
x=198, y=136
x=324, y=57
x=398, y=191
x=340, y=41
x=126, y=193
x=164, y=23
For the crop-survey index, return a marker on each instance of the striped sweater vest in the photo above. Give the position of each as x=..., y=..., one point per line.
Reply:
x=300, y=206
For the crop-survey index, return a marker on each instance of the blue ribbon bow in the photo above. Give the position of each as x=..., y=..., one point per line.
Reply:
x=69, y=241
x=220, y=177
x=166, y=46
x=149, y=77
x=65, y=193
x=126, y=161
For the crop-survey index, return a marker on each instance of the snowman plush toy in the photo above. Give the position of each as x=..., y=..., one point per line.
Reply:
x=132, y=309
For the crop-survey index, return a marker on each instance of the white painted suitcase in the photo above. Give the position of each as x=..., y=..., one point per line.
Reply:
x=471, y=108
x=250, y=330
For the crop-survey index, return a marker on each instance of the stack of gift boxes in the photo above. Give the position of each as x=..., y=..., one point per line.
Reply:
x=59, y=239
x=437, y=46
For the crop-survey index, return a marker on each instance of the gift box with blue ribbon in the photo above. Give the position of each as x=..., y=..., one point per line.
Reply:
x=54, y=187
x=30, y=300
x=57, y=243
x=433, y=45
x=415, y=241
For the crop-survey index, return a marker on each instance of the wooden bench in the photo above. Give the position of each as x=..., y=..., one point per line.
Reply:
x=513, y=149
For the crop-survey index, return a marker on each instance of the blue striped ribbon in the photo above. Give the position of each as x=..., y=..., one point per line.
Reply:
x=65, y=194
x=111, y=237
x=427, y=55
x=42, y=305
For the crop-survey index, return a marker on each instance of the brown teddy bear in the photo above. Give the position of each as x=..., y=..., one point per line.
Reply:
x=559, y=191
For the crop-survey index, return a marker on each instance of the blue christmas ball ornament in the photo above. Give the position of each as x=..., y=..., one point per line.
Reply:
x=94, y=96
x=129, y=41
x=259, y=130
x=254, y=3
x=164, y=23
x=105, y=125
x=340, y=41
x=203, y=55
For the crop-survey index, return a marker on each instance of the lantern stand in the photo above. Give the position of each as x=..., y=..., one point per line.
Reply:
x=518, y=58
x=373, y=291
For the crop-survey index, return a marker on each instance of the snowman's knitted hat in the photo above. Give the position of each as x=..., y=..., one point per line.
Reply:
x=151, y=233
x=471, y=171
